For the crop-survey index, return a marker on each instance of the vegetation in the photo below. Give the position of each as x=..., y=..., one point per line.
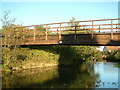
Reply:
x=45, y=56
x=40, y=28
x=10, y=35
x=112, y=55
x=25, y=58
x=76, y=25
x=73, y=22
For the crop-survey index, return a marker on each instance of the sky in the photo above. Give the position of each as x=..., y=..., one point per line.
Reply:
x=35, y=13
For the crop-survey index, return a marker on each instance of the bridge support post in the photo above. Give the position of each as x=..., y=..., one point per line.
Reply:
x=60, y=32
x=111, y=29
x=92, y=29
x=34, y=32
x=46, y=33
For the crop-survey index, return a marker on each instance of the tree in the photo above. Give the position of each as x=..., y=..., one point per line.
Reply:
x=73, y=22
x=88, y=53
x=10, y=35
x=40, y=28
x=11, y=39
x=6, y=21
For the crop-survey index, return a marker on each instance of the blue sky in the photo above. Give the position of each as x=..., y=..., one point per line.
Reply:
x=32, y=13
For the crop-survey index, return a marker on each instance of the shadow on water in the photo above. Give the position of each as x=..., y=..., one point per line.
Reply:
x=69, y=77
x=81, y=76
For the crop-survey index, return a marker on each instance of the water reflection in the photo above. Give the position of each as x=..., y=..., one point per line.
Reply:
x=108, y=74
x=84, y=75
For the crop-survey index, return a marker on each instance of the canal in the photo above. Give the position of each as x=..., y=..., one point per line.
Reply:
x=84, y=75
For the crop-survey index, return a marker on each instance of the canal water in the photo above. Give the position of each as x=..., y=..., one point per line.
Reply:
x=85, y=75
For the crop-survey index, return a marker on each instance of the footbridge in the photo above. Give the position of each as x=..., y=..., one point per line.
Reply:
x=90, y=32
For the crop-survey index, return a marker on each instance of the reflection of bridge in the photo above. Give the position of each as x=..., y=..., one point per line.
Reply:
x=90, y=32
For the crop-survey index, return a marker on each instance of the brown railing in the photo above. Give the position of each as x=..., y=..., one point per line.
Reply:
x=92, y=27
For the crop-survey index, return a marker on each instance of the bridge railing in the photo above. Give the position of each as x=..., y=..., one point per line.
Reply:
x=92, y=27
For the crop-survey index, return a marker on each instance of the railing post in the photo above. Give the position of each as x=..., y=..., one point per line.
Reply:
x=75, y=33
x=99, y=28
x=111, y=29
x=14, y=37
x=60, y=32
x=92, y=29
x=57, y=31
x=34, y=32
x=116, y=28
x=46, y=33
x=22, y=35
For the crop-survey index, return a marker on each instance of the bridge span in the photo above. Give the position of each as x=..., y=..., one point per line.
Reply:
x=89, y=32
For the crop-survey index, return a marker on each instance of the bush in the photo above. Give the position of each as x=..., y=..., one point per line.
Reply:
x=112, y=56
x=21, y=57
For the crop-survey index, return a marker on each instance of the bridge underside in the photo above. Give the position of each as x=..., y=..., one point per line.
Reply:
x=79, y=39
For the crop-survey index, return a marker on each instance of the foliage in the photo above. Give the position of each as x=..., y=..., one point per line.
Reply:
x=88, y=53
x=12, y=38
x=10, y=35
x=40, y=28
x=72, y=23
x=6, y=21
x=78, y=53
x=23, y=58
x=42, y=56
x=112, y=56
x=76, y=25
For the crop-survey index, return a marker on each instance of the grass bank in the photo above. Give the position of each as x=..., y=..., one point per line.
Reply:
x=25, y=58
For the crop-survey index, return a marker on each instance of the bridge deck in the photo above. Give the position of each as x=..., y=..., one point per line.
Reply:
x=81, y=39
